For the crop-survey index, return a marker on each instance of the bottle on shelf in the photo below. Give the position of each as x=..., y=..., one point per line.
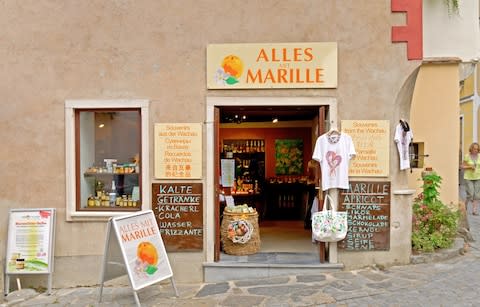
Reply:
x=112, y=195
x=98, y=186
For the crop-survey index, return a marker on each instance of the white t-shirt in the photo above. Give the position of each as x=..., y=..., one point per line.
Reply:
x=403, y=140
x=334, y=159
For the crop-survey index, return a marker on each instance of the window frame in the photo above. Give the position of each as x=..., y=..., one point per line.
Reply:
x=71, y=158
x=417, y=154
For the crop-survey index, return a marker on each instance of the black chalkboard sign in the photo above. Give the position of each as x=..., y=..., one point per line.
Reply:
x=368, y=208
x=178, y=211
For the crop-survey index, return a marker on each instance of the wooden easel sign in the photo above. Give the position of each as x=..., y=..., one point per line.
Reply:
x=30, y=244
x=143, y=253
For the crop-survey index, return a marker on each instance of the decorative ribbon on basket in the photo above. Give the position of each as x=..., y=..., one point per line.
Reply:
x=240, y=231
x=329, y=225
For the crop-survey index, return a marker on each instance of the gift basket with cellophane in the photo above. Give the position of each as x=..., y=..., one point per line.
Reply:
x=240, y=233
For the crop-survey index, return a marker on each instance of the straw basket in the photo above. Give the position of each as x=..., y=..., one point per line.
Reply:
x=240, y=233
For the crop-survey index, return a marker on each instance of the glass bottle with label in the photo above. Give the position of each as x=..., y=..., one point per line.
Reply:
x=113, y=194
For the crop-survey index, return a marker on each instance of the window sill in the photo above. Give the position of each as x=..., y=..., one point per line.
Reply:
x=91, y=216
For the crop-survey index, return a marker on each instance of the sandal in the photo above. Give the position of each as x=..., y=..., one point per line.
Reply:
x=475, y=213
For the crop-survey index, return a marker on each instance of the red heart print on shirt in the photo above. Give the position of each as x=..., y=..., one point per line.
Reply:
x=334, y=161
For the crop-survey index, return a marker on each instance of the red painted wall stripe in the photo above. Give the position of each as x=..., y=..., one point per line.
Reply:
x=412, y=33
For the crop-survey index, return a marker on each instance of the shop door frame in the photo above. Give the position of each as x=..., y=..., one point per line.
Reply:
x=211, y=205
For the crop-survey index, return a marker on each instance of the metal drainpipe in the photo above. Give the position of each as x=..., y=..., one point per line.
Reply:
x=476, y=102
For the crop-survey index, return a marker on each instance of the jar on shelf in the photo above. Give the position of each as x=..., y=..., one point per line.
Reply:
x=91, y=201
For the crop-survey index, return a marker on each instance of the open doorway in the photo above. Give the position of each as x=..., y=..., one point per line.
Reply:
x=271, y=143
x=270, y=148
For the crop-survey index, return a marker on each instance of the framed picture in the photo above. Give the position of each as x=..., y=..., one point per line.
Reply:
x=289, y=157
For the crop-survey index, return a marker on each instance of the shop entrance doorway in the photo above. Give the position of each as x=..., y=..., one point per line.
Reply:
x=270, y=142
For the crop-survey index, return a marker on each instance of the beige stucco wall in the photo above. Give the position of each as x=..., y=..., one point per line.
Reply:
x=52, y=51
x=466, y=109
x=467, y=88
x=435, y=122
x=477, y=79
x=447, y=34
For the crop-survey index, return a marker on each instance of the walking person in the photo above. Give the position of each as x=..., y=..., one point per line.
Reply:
x=472, y=176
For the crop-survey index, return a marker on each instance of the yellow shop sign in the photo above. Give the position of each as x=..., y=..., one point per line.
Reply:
x=288, y=65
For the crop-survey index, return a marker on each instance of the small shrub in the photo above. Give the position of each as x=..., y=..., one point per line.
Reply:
x=434, y=224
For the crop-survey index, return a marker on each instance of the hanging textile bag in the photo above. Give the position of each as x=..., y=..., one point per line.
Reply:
x=329, y=225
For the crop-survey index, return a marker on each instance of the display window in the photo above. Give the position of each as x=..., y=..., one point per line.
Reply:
x=106, y=162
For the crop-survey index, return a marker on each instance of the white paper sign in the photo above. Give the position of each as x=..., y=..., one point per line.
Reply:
x=30, y=236
x=230, y=201
x=228, y=172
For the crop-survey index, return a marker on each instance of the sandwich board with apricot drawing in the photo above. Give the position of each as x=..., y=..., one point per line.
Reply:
x=143, y=253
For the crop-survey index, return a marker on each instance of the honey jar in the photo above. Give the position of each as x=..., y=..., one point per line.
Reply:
x=91, y=201
x=20, y=263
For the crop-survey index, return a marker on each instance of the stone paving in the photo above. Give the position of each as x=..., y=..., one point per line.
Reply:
x=449, y=278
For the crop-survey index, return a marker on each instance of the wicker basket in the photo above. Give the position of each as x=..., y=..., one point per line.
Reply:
x=247, y=240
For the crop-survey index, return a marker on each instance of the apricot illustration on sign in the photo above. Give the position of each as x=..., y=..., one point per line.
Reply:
x=231, y=69
x=147, y=254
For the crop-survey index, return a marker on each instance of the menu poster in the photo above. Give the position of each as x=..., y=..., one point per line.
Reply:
x=142, y=249
x=30, y=241
x=179, y=213
x=368, y=209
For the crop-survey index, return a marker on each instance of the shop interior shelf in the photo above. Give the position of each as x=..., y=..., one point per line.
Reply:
x=89, y=174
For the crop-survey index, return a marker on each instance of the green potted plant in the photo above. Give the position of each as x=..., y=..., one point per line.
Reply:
x=434, y=224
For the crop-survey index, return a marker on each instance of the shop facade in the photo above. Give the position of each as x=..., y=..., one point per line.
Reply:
x=145, y=67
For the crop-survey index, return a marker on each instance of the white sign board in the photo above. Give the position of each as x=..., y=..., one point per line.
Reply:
x=30, y=236
x=30, y=243
x=142, y=249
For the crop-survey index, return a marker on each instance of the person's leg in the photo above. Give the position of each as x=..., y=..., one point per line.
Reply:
x=475, y=196
x=475, y=207
x=470, y=192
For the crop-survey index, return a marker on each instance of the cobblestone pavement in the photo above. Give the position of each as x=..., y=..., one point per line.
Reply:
x=448, y=278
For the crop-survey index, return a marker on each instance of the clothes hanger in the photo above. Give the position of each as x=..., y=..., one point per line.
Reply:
x=404, y=125
x=333, y=131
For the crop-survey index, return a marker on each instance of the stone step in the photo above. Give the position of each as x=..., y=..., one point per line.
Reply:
x=264, y=265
